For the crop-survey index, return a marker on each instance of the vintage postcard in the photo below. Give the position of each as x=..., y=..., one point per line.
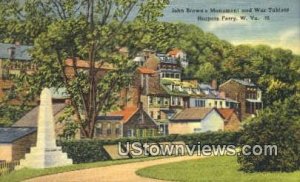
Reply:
x=149, y=90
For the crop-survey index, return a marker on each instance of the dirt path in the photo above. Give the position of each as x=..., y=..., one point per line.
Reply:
x=115, y=173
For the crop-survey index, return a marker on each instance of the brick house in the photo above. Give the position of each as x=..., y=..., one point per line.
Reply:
x=129, y=122
x=231, y=119
x=15, y=142
x=246, y=93
x=14, y=59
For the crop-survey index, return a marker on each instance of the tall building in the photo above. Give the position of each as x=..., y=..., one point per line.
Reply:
x=246, y=93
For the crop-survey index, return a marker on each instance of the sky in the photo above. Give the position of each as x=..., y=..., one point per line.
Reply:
x=281, y=30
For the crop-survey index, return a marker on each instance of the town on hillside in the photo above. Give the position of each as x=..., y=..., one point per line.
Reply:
x=159, y=101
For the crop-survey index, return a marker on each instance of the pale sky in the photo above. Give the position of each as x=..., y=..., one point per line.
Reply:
x=282, y=30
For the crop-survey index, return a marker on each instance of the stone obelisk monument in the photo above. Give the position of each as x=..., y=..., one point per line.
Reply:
x=45, y=154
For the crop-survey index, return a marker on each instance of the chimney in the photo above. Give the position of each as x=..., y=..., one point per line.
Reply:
x=222, y=95
x=214, y=84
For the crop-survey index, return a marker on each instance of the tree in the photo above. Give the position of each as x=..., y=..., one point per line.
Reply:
x=277, y=125
x=92, y=30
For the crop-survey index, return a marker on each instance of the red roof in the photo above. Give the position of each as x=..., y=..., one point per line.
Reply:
x=226, y=112
x=127, y=113
x=145, y=70
x=174, y=52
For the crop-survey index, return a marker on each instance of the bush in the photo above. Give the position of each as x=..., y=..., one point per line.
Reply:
x=82, y=151
x=278, y=125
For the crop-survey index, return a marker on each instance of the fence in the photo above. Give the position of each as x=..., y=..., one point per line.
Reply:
x=7, y=167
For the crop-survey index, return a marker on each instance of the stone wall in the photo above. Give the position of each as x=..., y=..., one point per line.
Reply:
x=22, y=146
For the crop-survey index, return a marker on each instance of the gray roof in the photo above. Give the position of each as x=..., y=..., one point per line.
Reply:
x=9, y=135
x=21, y=51
x=30, y=119
x=204, y=86
x=192, y=114
x=244, y=82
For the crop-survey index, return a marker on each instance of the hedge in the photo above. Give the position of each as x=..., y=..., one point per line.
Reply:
x=82, y=151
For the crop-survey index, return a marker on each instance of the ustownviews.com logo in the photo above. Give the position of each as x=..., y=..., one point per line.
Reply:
x=169, y=149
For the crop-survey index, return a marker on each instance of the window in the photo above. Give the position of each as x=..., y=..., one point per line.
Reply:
x=98, y=129
x=227, y=104
x=150, y=100
x=108, y=130
x=158, y=115
x=177, y=75
x=216, y=103
x=129, y=133
x=166, y=101
x=158, y=100
x=152, y=114
x=221, y=104
x=118, y=129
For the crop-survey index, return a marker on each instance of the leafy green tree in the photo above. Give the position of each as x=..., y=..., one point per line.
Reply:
x=92, y=30
x=277, y=125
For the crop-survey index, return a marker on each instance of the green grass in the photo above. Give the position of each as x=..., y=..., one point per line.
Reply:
x=27, y=173
x=212, y=169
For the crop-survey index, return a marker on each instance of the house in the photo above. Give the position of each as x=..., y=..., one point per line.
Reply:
x=195, y=120
x=246, y=93
x=231, y=119
x=129, y=122
x=15, y=142
x=212, y=97
x=14, y=59
x=179, y=55
x=30, y=119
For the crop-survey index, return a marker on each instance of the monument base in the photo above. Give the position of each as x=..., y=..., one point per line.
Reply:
x=45, y=158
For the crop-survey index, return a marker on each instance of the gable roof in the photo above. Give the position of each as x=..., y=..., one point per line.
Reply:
x=126, y=113
x=145, y=70
x=226, y=113
x=239, y=81
x=30, y=119
x=21, y=51
x=9, y=135
x=192, y=114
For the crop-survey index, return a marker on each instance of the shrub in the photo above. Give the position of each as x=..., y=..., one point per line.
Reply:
x=278, y=125
x=82, y=151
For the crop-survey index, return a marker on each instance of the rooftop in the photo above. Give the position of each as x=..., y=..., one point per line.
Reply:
x=9, y=135
x=226, y=113
x=244, y=82
x=126, y=113
x=145, y=70
x=192, y=114
x=21, y=52
x=30, y=119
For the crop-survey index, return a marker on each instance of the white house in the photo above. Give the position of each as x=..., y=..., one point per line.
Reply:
x=196, y=120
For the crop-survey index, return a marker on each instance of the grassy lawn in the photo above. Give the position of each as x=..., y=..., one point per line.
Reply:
x=27, y=173
x=212, y=169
